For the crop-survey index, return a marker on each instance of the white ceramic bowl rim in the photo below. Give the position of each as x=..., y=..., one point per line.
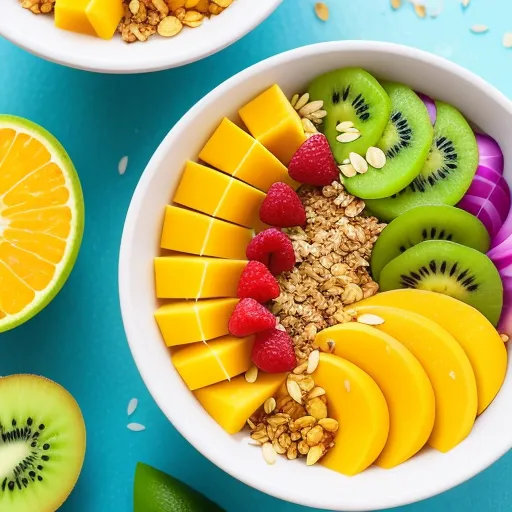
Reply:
x=467, y=465
x=37, y=35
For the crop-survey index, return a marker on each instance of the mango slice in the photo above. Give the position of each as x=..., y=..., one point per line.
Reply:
x=185, y=322
x=358, y=405
x=475, y=334
x=400, y=377
x=447, y=367
x=213, y=192
x=235, y=152
x=196, y=233
x=272, y=120
x=203, y=364
x=197, y=277
x=71, y=15
x=230, y=403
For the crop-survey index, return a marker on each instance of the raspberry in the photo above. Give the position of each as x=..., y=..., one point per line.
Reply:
x=250, y=317
x=256, y=282
x=273, y=351
x=282, y=207
x=274, y=249
x=313, y=163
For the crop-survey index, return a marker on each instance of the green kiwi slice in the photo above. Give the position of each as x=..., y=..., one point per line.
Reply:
x=449, y=268
x=437, y=222
x=405, y=142
x=447, y=173
x=42, y=444
x=351, y=94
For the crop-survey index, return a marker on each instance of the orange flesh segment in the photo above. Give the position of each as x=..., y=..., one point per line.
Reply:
x=35, y=219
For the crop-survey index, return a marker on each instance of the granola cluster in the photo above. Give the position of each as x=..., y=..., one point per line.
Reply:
x=333, y=253
x=39, y=6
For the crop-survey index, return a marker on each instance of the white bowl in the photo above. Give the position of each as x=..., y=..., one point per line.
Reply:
x=38, y=35
x=426, y=474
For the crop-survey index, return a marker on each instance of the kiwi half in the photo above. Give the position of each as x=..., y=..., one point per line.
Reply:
x=406, y=142
x=449, y=268
x=351, y=94
x=447, y=173
x=437, y=222
x=42, y=444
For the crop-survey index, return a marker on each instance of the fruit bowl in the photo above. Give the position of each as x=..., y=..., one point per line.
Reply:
x=426, y=474
x=38, y=35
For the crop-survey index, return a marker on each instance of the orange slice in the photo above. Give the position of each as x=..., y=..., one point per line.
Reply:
x=41, y=219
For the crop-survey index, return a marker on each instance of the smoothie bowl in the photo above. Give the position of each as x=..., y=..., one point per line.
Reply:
x=314, y=276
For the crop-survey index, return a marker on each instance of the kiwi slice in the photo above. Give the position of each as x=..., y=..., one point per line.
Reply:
x=406, y=142
x=449, y=268
x=422, y=223
x=447, y=173
x=351, y=94
x=42, y=444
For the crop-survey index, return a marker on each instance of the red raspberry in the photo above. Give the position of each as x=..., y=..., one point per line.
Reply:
x=274, y=249
x=313, y=163
x=273, y=351
x=250, y=317
x=282, y=207
x=256, y=282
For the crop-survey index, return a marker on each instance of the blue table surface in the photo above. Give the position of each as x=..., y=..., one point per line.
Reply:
x=78, y=340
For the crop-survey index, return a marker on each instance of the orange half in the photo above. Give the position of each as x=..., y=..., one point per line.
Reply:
x=41, y=219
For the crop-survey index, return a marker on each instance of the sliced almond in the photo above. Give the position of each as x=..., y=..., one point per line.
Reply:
x=269, y=454
x=376, y=157
x=348, y=137
x=308, y=126
x=313, y=360
x=251, y=424
x=251, y=374
x=369, y=319
x=420, y=10
x=311, y=107
x=322, y=11
x=479, y=29
x=294, y=390
x=269, y=405
x=507, y=40
x=347, y=170
x=358, y=163
x=316, y=392
x=294, y=100
x=314, y=454
x=346, y=161
x=300, y=369
x=318, y=114
x=302, y=101
x=344, y=126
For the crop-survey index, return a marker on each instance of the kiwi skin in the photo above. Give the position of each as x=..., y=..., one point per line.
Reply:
x=431, y=222
x=451, y=269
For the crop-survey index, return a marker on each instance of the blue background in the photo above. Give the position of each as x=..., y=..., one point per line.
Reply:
x=79, y=340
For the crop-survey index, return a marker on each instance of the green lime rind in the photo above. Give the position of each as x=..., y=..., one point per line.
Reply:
x=451, y=269
x=155, y=491
x=451, y=125
x=356, y=85
x=432, y=222
x=404, y=158
x=74, y=240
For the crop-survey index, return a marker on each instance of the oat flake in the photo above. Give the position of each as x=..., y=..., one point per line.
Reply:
x=122, y=165
x=136, y=427
x=132, y=405
x=322, y=11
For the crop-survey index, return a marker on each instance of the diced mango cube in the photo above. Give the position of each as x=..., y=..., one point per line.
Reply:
x=233, y=151
x=91, y=17
x=203, y=364
x=213, y=192
x=230, y=403
x=272, y=120
x=190, y=321
x=196, y=233
x=196, y=277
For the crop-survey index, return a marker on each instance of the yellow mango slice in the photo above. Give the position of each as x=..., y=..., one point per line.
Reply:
x=475, y=334
x=230, y=403
x=104, y=16
x=272, y=120
x=185, y=322
x=358, y=405
x=213, y=192
x=197, y=277
x=400, y=377
x=91, y=17
x=203, y=364
x=196, y=233
x=447, y=367
x=233, y=151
